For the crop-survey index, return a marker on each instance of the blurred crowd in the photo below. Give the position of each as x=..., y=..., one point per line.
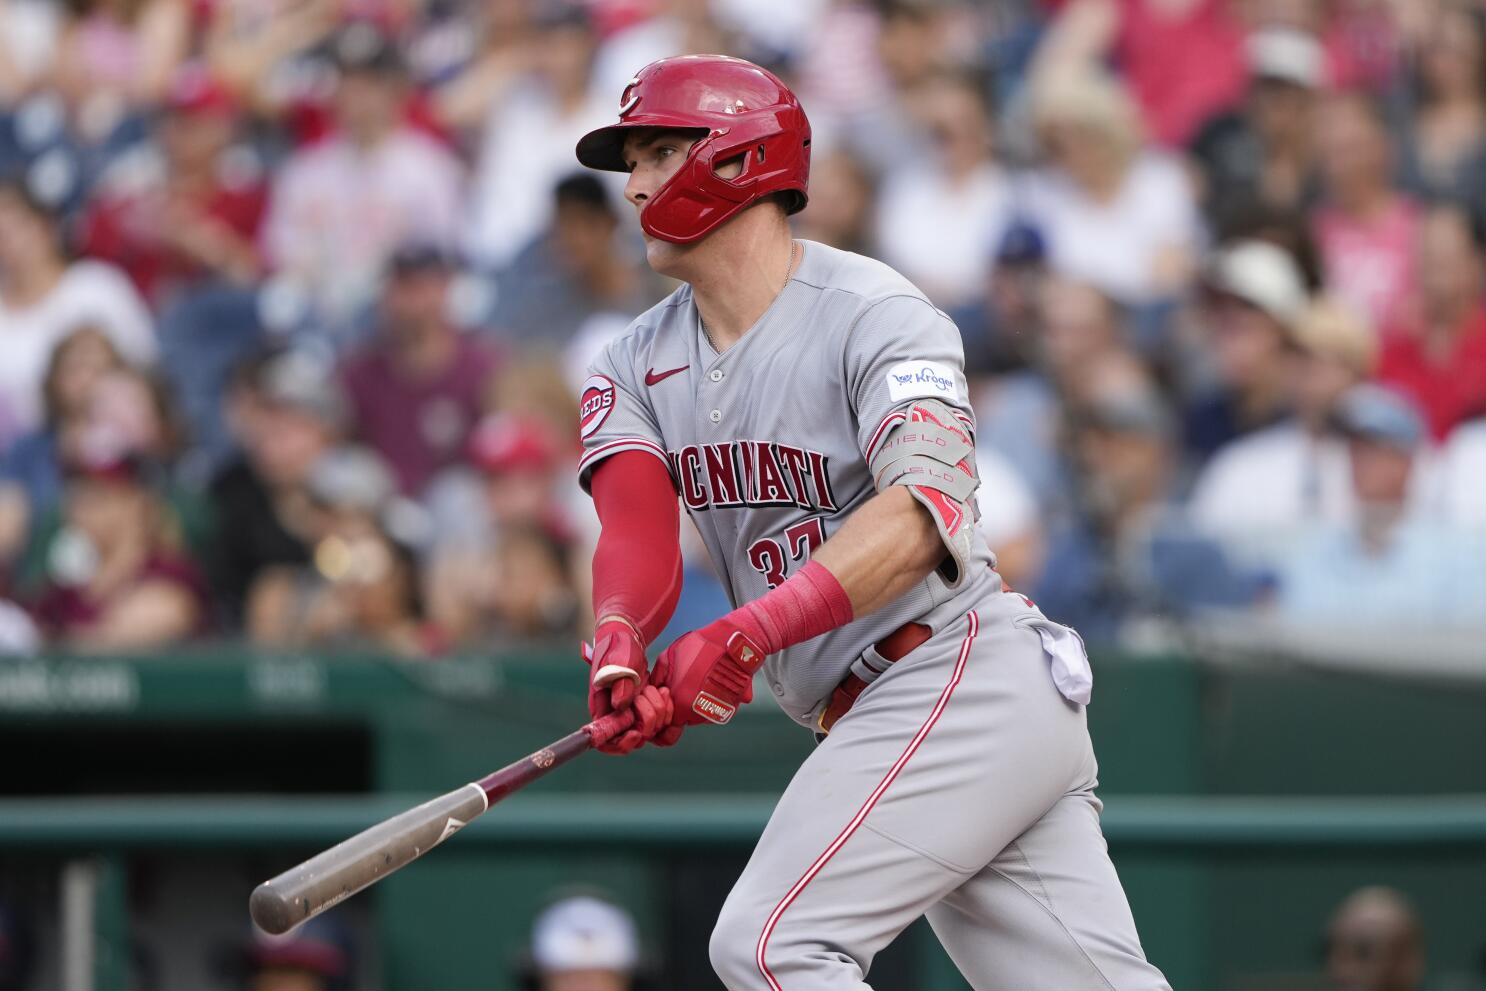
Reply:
x=295, y=296
x=582, y=941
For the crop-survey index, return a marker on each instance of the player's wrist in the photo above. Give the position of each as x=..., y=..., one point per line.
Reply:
x=806, y=605
x=621, y=621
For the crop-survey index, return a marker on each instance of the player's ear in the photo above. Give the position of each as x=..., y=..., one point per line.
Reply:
x=730, y=168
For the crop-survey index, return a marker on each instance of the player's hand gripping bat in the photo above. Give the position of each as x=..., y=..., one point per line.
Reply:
x=338, y=873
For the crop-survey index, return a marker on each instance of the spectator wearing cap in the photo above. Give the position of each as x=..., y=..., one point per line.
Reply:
x=361, y=587
x=1388, y=567
x=416, y=389
x=532, y=103
x=285, y=413
x=44, y=297
x=504, y=564
x=582, y=943
x=1126, y=556
x=183, y=207
x=584, y=272
x=119, y=576
x=1374, y=942
x=940, y=214
x=1261, y=154
x=1254, y=296
x=319, y=955
x=1440, y=136
x=1437, y=356
x=1364, y=228
x=1001, y=324
x=339, y=208
x=1261, y=489
x=1115, y=214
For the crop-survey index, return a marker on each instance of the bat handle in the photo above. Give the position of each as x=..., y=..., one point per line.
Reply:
x=518, y=775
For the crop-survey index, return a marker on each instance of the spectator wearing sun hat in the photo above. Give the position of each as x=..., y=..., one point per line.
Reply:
x=1253, y=296
x=1257, y=491
x=1261, y=152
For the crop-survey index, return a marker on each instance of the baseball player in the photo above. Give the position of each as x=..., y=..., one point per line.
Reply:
x=808, y=407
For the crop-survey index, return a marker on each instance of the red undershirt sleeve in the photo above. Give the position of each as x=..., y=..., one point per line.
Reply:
x=637, y=564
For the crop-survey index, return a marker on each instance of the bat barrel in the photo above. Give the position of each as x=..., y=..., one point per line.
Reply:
x=329, y=878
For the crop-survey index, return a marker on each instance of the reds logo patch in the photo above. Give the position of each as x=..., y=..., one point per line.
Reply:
x=596, y=402
x=713, y=709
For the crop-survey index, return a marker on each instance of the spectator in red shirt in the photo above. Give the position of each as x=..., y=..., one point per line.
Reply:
x=418, y=388
x=1366, y=230
x=1184, y=59
x=184, y=207
x=1439, y=358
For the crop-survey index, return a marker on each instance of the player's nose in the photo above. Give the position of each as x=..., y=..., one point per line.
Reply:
x=638, y=188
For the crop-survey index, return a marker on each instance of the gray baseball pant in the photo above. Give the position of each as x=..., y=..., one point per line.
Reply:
x=960, y=786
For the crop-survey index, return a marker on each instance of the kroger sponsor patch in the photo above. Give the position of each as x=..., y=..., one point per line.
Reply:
x=596, y=402
x=912, y=379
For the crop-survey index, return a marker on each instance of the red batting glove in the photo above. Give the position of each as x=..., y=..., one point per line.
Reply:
x=653, y=714
x=709, y=673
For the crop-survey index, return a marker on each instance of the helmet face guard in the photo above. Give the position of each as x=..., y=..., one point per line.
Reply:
x=747, y=114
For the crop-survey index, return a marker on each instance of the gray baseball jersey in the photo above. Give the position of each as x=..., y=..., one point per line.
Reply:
x=769, y=442
x=960, y=784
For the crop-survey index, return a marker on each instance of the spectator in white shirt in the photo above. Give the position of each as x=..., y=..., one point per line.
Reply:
x=1461, y=477
x=1389, y=568
x=940, y=216
x=1263, y=488
x=1119, y=217
x=341, y=206
x=44, y=297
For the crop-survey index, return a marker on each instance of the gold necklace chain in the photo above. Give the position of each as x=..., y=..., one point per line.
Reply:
x=794, y=247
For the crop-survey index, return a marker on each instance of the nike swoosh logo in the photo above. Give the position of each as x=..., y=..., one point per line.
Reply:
x=652, y=377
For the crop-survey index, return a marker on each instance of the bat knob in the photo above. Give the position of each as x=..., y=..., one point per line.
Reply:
x=271, y=911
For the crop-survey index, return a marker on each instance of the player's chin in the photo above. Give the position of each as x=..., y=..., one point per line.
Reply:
x=663, y=256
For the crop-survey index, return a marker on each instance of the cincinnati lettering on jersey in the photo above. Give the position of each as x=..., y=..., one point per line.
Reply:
x=752, y=473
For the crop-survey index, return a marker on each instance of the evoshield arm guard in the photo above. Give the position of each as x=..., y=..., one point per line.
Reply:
x=930, y=450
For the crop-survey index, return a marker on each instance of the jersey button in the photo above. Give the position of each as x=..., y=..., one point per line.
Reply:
x=716, y=416
x=778, y=688
x=717, y=375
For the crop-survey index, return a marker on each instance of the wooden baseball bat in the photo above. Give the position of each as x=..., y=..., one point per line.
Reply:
x=334, y=875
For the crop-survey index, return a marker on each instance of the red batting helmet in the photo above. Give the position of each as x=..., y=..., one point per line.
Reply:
x=747, y=113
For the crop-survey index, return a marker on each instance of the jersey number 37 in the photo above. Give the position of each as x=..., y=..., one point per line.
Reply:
x=770, y=557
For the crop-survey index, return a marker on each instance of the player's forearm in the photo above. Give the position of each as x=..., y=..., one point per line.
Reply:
x=882, y=550
x=637, y=564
